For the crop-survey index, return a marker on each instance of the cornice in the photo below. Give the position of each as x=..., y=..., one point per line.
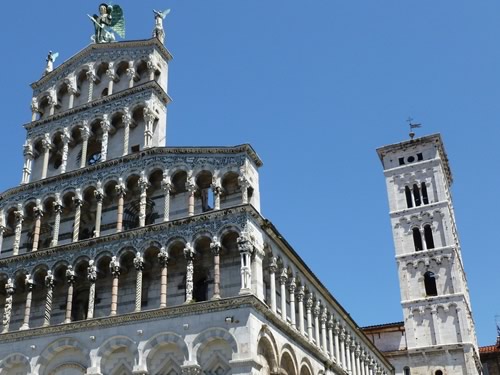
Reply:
x=425, y=254
x=153, y=85
x=418, y=209
x=103, y=47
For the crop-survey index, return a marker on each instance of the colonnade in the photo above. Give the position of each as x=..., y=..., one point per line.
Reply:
x=313, y=319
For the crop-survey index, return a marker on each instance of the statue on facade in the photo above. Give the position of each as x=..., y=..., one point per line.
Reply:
x=158, y=31
x=51, y=57
x=109, y=21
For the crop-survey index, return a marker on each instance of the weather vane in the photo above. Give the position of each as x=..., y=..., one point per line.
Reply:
x=412, y=126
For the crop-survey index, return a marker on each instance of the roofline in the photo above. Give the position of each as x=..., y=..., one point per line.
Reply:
x=103, y=46
x=436, y=137
x=396, y=326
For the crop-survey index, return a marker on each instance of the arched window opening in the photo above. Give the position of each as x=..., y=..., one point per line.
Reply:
x=425, y=197
x=430, y=284
x=409, y=201
x=406, y=371
x=417, y=239
x=439, y=372
x=429, y=240
x=416, y=194
x=104, y=92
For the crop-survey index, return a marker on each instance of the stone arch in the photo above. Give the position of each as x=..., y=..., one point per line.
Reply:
x=119, y=352
x=48, y=357
x=288, y=360
x=267, y=350
x=15, y=362
x=306, y=367
x=155, y=344
x=212, y=334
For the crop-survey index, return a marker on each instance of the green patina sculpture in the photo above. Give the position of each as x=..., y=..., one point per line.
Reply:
x=109, y=20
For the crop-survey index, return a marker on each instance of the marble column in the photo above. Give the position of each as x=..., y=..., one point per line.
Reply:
x=92, y=78
x=19, y=216
x=114, y=267
x=273, y=267
x=139, y=268
x=348, y=364
x=35, y=110
x=163, y=260
x=120, y=192
x=29, y=155
x=52, y=103
x=217, y=191
x=330, y=325
x=216, y=247
x=99, y=196
x=300, y=301
x=66, y=137
x=127, y=121
x=72, y=93
x=7, y=313
x=71, y=278
x=167, y=187
x=131, y=75
x=110, y=73
x=106, y=127
x=316, y=313
x=46, y=147
x=2, y=231
x=143, y=186
x=189, y=255
x=49, y=285
x=85, y=133
x=283, y=278
x=27, y=308
x=342, y=357
x=354, y=358
x=309, y=306
x=58, y=208
x=322, y=319
x=336, y=331
x=78, y=203
x=245, y=247
x=92, y=278
x=38, y=214
x=292, y=285
x=191, y=189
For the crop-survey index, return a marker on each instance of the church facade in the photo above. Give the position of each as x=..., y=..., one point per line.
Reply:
x=119, y=255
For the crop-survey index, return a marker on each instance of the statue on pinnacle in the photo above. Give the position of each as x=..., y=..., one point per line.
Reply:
x=109, y=21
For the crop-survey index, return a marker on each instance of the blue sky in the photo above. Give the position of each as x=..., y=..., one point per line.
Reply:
x=315, y=87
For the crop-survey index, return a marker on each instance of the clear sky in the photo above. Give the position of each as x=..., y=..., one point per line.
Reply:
x=315, y=86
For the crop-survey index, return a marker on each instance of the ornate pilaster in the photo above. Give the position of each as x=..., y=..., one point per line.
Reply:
x=46, y=147
x=19, y=216
x=38, y=214
x=216, y=247
x=114, y=267
x=106, y=127
x=58, y=208
x=85, y=133
x=27, y=308
x=300, y=300
x=283, y=278
x=143, y=186
x=49, y=285
x=92, y=278
x=292, y=285
x=149, y=119
x=309, y=306
x=167, y=188
x=29, y=155
x=273, y=267
x=139, y=268
x=99, y=196
x=191, y=188
x=127, y=121
x=66, y=137
x=120, y=192
x=163, y=260
x=189, y=255
x=7, y=313
x=71, y=278
x=245, y=248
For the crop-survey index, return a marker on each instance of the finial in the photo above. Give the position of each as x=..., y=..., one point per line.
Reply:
x=158, y=31
x=51, y=57
x=412, y=126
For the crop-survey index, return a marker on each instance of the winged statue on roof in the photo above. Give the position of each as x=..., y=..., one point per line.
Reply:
x=110, y=20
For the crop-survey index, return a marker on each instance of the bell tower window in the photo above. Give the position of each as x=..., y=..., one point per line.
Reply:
x=429, y=240
x=417, y=239
x=416, y=194
x=409, y=201
x=430, y=284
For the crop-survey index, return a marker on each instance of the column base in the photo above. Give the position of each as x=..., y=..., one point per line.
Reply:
x=245, y=291
x=24, y=327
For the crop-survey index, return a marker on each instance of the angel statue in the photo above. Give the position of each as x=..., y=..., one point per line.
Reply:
x=158, y=31
x=109, y=20
x=51, y=57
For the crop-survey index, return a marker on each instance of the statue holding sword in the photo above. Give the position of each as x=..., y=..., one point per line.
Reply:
x=109, y=20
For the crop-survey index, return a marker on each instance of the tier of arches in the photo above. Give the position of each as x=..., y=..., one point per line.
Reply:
x=163, y=353
x=119, y=203
x=130, y=280
x=100, y=138
x=94, y=81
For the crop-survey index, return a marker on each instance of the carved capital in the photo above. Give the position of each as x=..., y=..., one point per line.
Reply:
x=49, y=280
x=28, y=149
x=283, y=276
x=309, y=302
x=85, y=132
x=29, y=282
x=292, y=285
x=149, y=114
x=301, y=293
x=114, y=267
x=163, y=257
x=105, y=124
x=324, y=315
x=317, y=308
x=58, y=207
x=46, y=142
x=92, y=271
x=70, y=275
x=245, y=244
x=131, y=73
x=189, y=252
x=99, y=192
x=190, y=185
x=127, y=117
x=215, y=246
x=38, y=210
x=143, y=182
x=34, y=105
x=139, y=262
x=120, y=188
x=9, y=287
x=91, y=76
x=273, y=265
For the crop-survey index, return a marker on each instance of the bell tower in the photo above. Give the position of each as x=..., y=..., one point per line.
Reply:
x=439, y=329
